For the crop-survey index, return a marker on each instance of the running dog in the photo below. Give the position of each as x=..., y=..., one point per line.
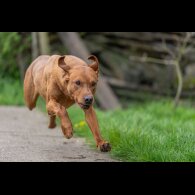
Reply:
x=62, y=81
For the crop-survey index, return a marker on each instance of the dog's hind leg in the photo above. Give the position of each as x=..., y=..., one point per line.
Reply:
x=30, y=93
x=52, y=123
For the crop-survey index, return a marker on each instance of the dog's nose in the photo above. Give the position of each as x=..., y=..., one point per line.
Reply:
x=88, y=99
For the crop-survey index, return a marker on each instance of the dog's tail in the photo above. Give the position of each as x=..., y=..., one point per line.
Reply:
x=30, y=95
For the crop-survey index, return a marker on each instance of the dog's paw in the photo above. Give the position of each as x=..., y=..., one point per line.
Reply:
x=68, y=132
x=68, y=135
x=105, y=147
x=52, y=126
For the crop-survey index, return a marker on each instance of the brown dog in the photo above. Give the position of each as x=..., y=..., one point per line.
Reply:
x=63, y=81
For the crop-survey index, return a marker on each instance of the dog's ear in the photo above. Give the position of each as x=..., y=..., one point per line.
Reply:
x=95, y=63
x=62, y=64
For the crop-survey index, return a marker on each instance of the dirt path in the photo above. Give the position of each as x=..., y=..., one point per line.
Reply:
x=24, y=137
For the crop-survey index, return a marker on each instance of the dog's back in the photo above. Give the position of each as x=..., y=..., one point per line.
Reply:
x=30, y=92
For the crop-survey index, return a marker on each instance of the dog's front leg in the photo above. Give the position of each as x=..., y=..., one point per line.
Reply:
x=55, y=109
x=91, y=119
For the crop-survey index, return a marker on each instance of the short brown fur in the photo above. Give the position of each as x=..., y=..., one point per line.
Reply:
x=63, y=81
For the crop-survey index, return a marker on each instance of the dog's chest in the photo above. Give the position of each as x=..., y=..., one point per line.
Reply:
x=64, y=100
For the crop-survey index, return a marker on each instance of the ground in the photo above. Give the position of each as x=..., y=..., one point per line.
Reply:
x=24, y=137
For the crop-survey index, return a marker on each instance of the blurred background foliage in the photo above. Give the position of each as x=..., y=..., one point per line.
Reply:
x=14, y=46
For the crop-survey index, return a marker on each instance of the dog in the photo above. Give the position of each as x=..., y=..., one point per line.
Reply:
x=63, y=81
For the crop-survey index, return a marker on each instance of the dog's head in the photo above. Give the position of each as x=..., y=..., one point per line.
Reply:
x=80, y=78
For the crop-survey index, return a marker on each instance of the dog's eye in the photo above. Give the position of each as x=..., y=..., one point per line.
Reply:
x=78, y=82
x=93, y=84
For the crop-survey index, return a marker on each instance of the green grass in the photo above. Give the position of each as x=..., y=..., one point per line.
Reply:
x=11, y=92
x=151, y=132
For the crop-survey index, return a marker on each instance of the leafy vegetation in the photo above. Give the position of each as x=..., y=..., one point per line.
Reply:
x=12, y=45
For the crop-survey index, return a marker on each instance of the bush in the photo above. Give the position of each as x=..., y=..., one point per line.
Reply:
x=12, y=44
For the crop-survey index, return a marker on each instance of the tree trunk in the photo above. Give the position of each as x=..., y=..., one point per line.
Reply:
x=35, y=45
x=105, y=96
x=44, y=43
x=180, y=85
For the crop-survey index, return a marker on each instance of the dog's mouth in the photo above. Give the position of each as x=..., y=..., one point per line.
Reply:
x=84, y=106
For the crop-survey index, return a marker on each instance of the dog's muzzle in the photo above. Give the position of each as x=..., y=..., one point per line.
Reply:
x=84, y=106
x=88, y=100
